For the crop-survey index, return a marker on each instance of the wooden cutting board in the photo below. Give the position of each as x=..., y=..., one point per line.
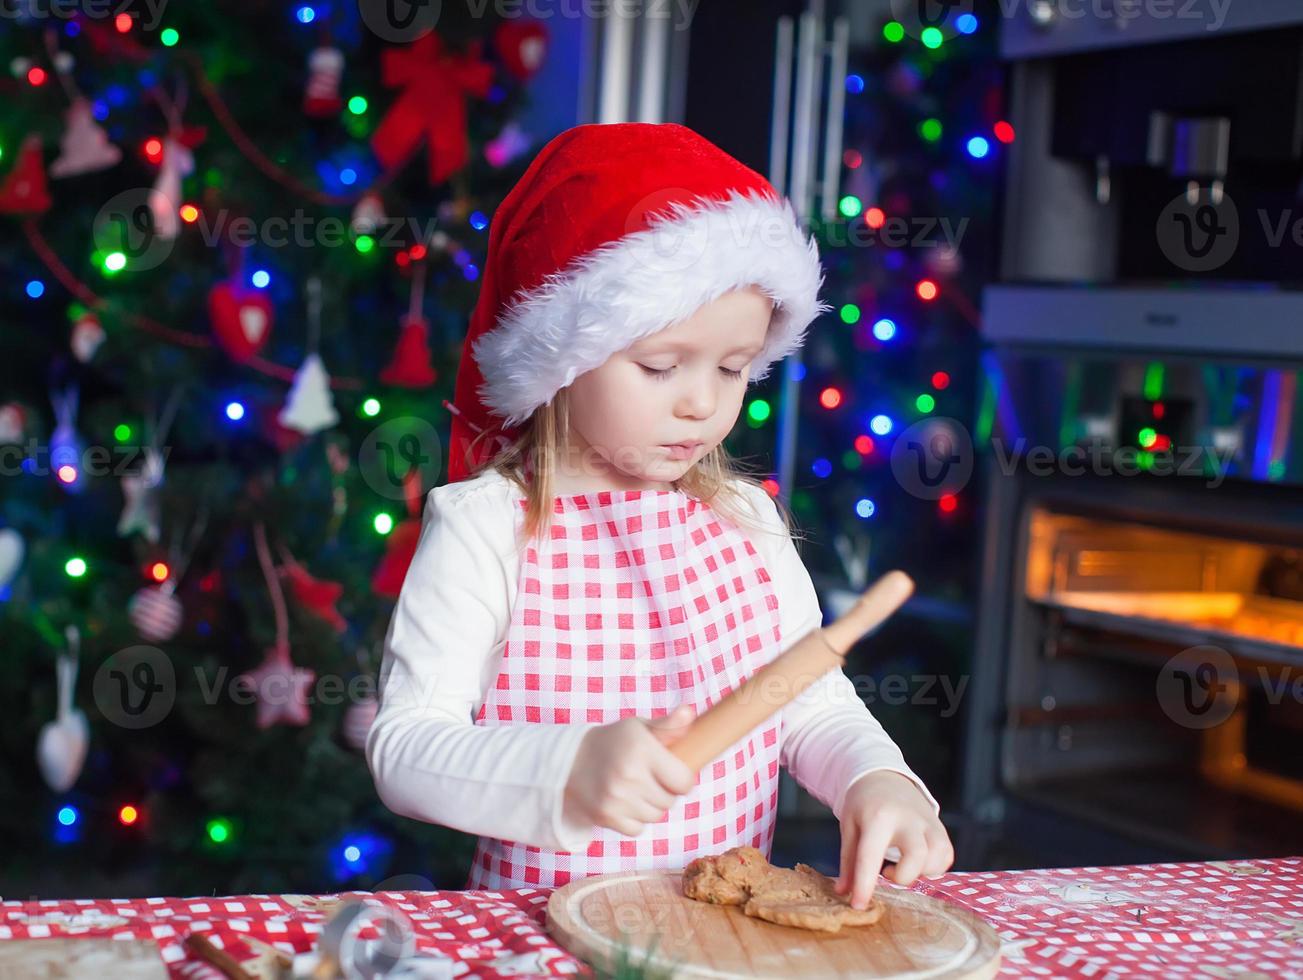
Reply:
x=646, y=912
x=73, y=958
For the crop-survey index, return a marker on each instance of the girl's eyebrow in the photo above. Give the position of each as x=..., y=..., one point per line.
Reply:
x=685, y=345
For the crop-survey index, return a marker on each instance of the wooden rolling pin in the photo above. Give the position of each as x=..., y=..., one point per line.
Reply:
x=787, y=675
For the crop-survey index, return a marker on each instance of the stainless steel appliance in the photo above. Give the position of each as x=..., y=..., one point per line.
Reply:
x=1137, y=688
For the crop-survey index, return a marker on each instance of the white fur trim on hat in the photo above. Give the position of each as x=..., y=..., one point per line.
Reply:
x=611, y=298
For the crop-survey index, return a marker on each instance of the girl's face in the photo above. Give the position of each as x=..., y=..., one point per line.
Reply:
x=683, y=384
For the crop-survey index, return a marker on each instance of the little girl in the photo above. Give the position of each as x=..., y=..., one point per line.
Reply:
x=597, y=573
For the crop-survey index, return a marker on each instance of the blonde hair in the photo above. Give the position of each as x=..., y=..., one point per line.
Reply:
x=530, y=463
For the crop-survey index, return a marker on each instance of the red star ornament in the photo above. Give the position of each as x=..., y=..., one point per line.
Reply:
x=281, y=689
x=317, y=595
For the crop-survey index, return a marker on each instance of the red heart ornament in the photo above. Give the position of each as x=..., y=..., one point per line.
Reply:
x=241, y=318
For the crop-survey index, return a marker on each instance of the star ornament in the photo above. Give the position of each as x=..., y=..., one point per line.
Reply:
x=140, y=491
x=316, y=594
x=281, y=689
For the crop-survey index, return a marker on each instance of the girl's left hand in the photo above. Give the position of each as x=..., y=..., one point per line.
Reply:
x=882, y=809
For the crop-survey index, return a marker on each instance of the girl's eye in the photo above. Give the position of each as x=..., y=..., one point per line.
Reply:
x=661, y=375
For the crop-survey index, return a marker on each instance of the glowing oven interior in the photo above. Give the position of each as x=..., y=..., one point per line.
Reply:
x=1108, y=604
x=1224, y=588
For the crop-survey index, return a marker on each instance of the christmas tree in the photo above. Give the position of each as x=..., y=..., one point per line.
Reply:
x=242, y=243
x=887, y=380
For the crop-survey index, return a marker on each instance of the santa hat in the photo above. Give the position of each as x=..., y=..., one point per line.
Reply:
x=614, y=232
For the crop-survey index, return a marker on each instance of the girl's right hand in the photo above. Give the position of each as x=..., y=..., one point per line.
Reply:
x=624, y=776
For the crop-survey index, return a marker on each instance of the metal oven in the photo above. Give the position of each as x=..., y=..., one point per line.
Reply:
x=1137, y=691
x=1137, y=682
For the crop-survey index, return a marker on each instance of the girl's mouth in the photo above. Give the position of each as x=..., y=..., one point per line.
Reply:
x=682, y=450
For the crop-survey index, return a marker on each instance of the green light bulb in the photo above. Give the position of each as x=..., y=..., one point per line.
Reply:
x=219, y=831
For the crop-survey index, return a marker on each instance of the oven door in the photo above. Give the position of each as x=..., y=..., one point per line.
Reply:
x=1149, y=664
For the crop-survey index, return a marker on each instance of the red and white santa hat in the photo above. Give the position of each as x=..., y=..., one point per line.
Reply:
x=617, y=231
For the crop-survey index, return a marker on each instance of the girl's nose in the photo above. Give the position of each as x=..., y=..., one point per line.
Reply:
x=699, y=398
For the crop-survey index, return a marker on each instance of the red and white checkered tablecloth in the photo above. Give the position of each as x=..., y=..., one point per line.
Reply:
x=1200, y=919
x=1217, y=919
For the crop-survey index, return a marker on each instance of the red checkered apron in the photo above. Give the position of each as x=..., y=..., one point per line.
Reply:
x=640, y=600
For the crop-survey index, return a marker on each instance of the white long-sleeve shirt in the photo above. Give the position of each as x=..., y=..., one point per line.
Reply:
x=444, y=647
